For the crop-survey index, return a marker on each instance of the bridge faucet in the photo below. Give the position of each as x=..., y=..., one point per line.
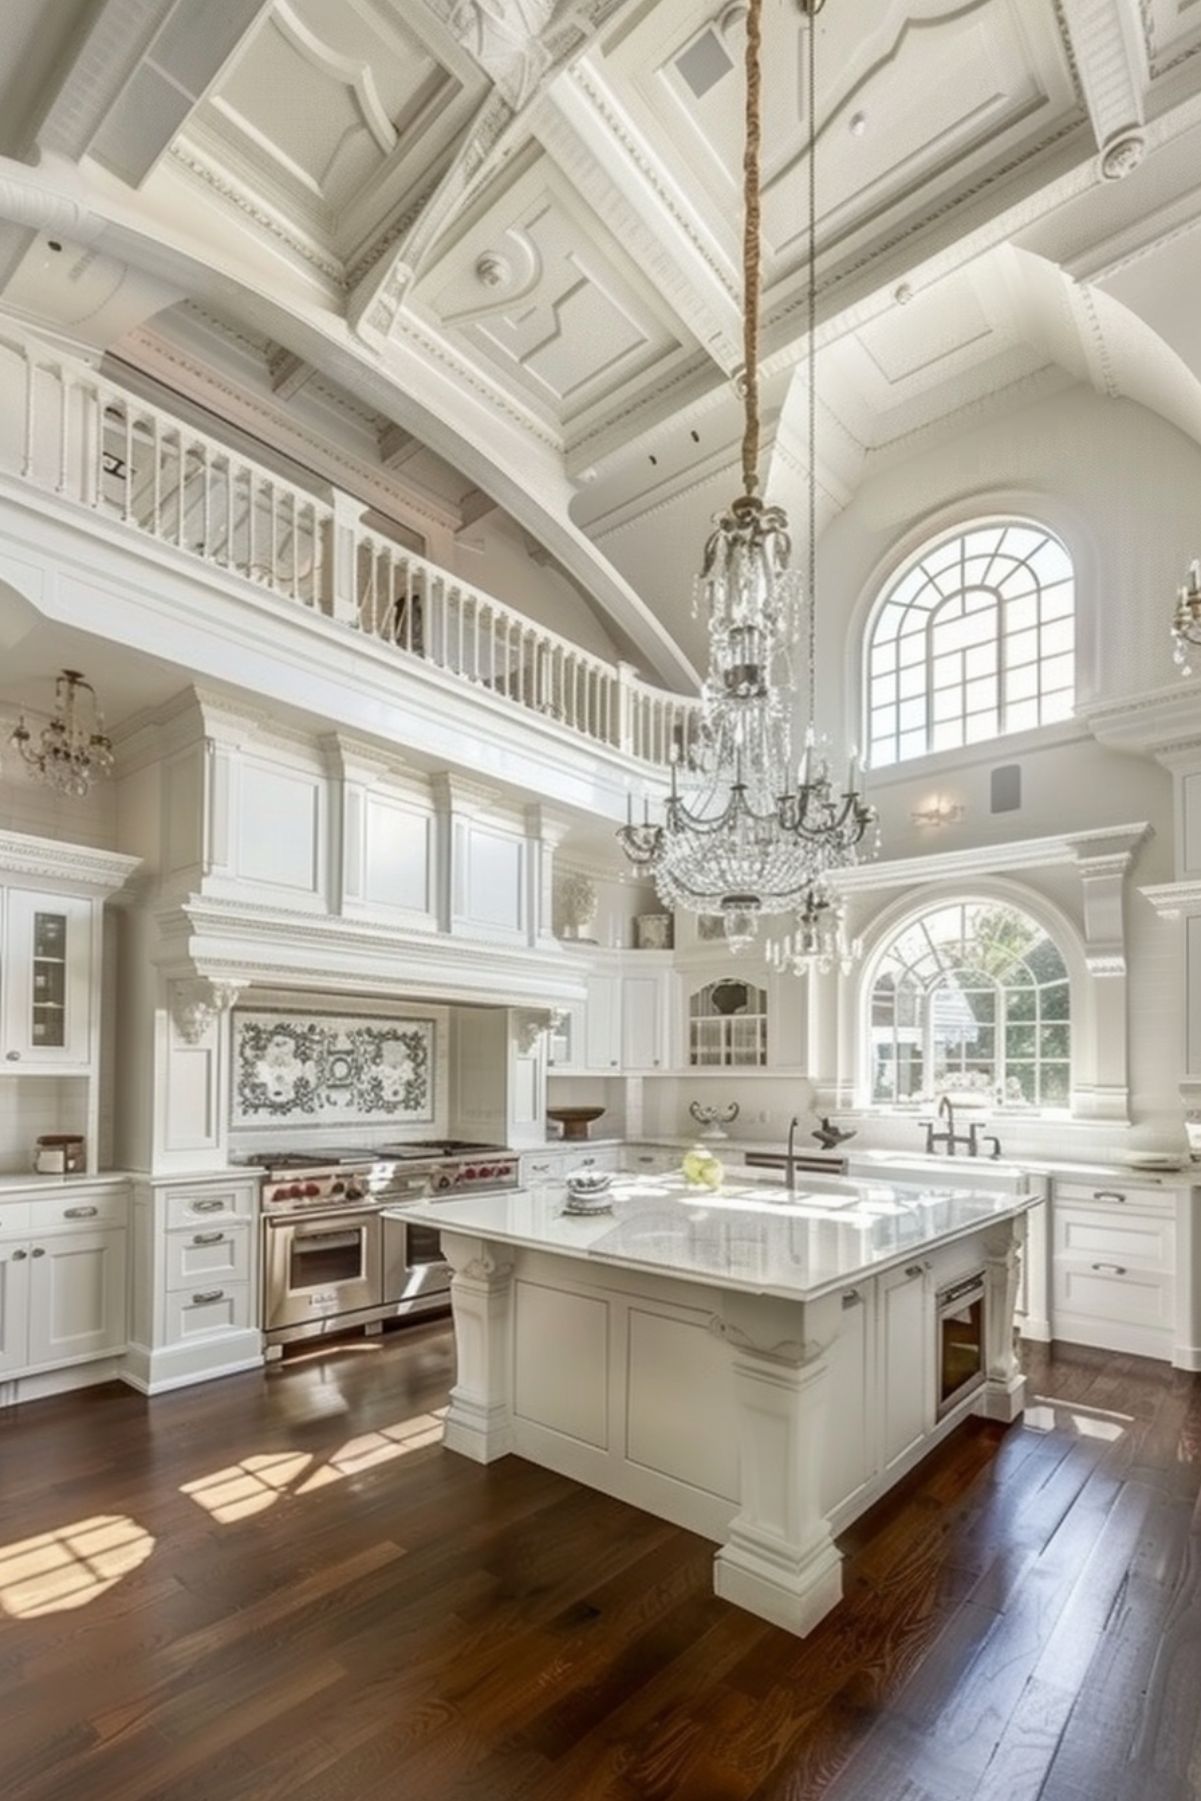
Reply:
x=951, y=1138
x=974, y=1136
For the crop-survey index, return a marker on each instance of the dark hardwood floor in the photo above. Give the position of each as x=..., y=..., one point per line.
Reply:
x=282, y=1586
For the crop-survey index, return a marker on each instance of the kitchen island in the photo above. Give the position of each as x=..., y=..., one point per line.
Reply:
x=756, y=1367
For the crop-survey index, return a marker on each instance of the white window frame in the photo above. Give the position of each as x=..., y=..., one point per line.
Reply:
x=1007, y=713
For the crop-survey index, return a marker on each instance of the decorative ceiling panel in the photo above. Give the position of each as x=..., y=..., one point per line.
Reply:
x=914, y=102
x=537, y=294
x=1171, y=33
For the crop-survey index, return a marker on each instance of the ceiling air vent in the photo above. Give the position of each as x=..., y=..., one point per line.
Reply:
x=704, y=63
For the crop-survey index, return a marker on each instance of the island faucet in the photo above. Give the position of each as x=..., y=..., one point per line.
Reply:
x=790, y=1162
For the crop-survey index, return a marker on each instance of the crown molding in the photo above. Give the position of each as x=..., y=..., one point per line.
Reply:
x=1111, y=846
x=1159, y=722
x=79, y=867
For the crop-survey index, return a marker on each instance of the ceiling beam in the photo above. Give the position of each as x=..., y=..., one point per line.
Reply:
x=288, y=373
x=1105, y=41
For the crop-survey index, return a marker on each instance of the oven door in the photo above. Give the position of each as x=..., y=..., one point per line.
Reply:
x=416, y=1275
x=961, y=1353
x=318, y=1268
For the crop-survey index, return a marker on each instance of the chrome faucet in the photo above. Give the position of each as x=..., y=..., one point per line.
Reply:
x=973, y=1141
x=950, y=1137
x=790, y=1161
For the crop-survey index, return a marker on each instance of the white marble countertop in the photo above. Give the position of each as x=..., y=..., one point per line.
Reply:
x=16, y=1183
x=747, y=1236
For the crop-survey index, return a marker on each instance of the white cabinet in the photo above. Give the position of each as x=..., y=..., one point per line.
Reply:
x=565, y=1041
x=1115, y=1280
x=14, y=1306
x=905, y=1330
x=643, y=1032
x=47, y=981
x=602, y=1037
x=76, y=1296
x=851, y=1451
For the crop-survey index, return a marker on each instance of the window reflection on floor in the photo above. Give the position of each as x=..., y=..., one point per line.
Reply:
x=1045, y=1413
x=70, y=1566
x=256, y=1483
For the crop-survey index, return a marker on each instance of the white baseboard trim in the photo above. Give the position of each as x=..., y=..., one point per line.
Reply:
x=1186, y=1357
x=156, y=1372
x=14, y=1390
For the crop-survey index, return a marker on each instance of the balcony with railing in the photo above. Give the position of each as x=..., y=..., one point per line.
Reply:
x=80, y=436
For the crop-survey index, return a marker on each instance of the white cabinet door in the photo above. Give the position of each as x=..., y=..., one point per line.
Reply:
x=565, y=1044
x=906, y=1329
x=76, y=1296
x=14, y=1306
x=602, y=1048
x=47, y=981
x=850, y=1456
x=641, y=1022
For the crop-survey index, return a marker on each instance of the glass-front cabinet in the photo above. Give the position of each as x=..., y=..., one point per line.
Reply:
x=47, y=981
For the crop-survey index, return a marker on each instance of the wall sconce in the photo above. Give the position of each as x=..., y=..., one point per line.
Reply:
x=938, y=812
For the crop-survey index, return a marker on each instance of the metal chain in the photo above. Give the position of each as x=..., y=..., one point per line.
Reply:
x=811, y=354
x=751, y=248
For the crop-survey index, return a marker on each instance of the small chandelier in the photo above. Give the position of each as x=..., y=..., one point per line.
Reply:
x=818, y=943
x=1186, y=623
x=754, y=830
x=73, y=749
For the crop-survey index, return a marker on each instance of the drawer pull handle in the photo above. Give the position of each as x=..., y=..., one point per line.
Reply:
x=38, y=1251
x=13, y=1056
x=915, y=1269
x=1110, y=1269
x=206, y=1295
x=646, y=1159
x=20, y=1256
x=851, y=1298
x=80, y=1212
x=208, y=1237
x=1107, y=1194
x=208, y=1206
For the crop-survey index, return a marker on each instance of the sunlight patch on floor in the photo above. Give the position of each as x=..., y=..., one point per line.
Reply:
x=256, y=1483
x=1045, y=1413
x=70, y=1566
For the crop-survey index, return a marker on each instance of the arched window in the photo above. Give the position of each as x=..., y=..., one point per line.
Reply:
x=971, y=996
x=973, y=640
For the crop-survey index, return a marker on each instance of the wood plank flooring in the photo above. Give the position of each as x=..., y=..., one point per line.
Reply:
x=282, y=1586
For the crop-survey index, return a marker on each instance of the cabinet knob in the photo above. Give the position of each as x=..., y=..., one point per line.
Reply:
x=19, y=1256
x=37, y=1251
x=851, y=1298
x=915, y=1269
x=13, y=1056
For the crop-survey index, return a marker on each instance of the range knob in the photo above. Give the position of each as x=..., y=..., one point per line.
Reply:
x=471, y=1172
x=339, y=1187
x=312, y=1189
x=443, y=1181
x=296, y=1192
x=352, y=1191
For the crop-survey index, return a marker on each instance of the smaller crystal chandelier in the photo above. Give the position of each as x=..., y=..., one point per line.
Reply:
x=1186, y=624
x=818, y=943
x=73, y=749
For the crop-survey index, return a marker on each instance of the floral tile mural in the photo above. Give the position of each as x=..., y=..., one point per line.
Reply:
x=332, y=1069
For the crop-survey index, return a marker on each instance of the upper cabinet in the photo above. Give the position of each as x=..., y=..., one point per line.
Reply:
x=727, y=1025
x=47, y=980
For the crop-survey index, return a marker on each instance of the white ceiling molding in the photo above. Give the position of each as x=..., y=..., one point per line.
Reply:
x=1105, y=44
x=1079, y=848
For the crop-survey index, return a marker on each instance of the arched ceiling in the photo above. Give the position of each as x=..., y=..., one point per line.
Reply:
x=506, y=231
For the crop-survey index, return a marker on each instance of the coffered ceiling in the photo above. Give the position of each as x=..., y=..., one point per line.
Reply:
x=504, y=234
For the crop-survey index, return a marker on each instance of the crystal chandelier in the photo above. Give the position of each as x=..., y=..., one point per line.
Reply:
x=818, y=942
x=1186, y=624
x=747, y=838
x=73, y=749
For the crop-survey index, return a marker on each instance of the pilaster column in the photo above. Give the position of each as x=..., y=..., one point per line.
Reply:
x=545, y=832
x=779, y=1560
x=1103, y=868
x=479, y=1422
x=1004, y=1394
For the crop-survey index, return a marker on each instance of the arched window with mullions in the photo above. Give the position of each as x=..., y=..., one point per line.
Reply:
x=973, y=640
x=971, y=997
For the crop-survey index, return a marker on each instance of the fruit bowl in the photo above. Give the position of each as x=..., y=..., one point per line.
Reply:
x=575, y=1121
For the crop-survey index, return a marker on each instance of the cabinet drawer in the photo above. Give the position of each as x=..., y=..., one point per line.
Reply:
x=212, y=1204
x=207, y=1257
x=109, y=1207
x=1115, y=1235
x=15, y=1217
x=207, y=1309
x=1117, y=1194
x=1105, y=1291
x=606, y=1159
x=638, y=1160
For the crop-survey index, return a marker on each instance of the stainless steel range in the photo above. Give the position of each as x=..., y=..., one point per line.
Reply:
x=330, y=1260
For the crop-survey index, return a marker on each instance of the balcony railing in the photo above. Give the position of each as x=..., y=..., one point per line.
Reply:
x=76, y=434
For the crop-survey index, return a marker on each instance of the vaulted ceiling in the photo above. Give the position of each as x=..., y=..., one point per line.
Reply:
x=502, y=236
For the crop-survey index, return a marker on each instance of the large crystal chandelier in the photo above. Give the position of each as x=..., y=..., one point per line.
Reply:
x=753, y=830
x=1186, y=624
x=73, y=749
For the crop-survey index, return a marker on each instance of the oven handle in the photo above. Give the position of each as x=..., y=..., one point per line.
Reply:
x=333, y=1237
x=951, y=1299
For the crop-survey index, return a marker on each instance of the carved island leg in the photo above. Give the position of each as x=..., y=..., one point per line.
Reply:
x=1003, y=1396
x=479, y=1421
x=779, y=1560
